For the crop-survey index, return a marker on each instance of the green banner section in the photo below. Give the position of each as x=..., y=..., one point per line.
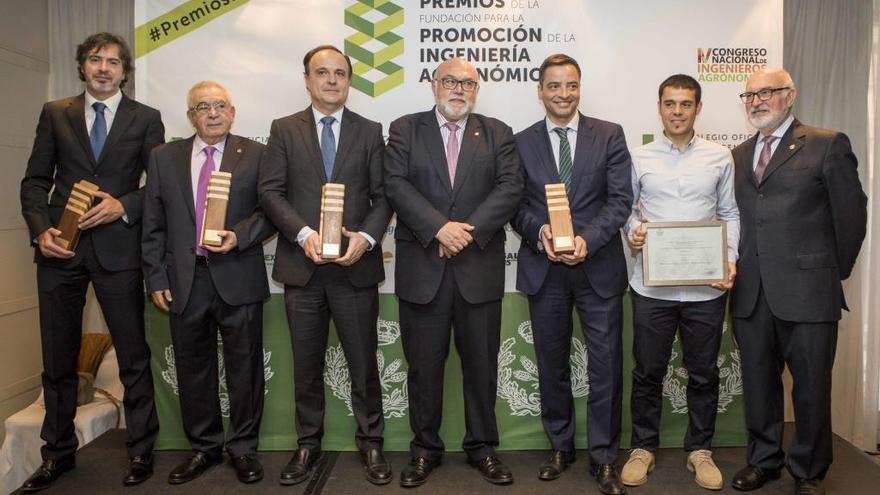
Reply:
x=518, y=406
x=180, y=21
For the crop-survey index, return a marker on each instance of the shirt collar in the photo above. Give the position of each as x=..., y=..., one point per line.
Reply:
x=336, y=115
x=199, y=145
x=573, y=124
x=670, y=146
x=782, y=129
x=441, y=120
x=112, y=102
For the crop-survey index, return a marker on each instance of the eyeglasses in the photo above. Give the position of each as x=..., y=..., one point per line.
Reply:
x=204, y=107
x=763, y=95
x=466, y=85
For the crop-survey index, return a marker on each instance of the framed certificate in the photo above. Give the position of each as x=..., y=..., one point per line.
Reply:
x=684, y=253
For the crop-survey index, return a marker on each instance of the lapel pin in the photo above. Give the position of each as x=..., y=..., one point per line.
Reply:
x=791, y=146
x=238, y=150
x=477, y=133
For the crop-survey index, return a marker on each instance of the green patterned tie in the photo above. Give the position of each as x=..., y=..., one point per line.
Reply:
x=564, y=157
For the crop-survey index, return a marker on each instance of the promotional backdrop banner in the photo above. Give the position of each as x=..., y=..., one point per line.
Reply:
x=625, y=50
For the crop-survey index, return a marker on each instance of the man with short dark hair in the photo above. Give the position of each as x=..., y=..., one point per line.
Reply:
x=104, y=137
x=328, y=143
x=208, y=288
x=678, y=177
x=453, y=178
x=590, y=157
x=803, y=220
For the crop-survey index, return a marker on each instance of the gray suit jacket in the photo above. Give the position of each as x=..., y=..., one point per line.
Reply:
x=801, y=228
x=169, y=231
x=487, y=189
x=291, y=176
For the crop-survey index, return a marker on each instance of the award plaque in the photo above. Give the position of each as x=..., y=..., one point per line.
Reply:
x=684, y=253
x=216, y=202
x=78, y=203
x=560, y=218
x=332, y=201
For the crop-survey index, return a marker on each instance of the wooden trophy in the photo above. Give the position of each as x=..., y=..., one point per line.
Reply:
x=78, y=203
x=216, y=202
x=332, y=201
x=560, y=218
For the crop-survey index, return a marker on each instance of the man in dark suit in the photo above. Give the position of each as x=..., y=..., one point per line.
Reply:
x=104, y=137
x=803, y=218
x=453, y=178
x=328, y=143
x=590, y=157
x=210, y=288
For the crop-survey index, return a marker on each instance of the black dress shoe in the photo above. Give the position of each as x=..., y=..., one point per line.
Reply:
x=140, y=468
x=752, y=477
x=376, y=468
x=493, y=470
x=247, y=468
x=808, y=487
x=416, y=472
x=47, y=473
x=553, y=467
x=608, y=479
x=194, y=467
x=302, y=462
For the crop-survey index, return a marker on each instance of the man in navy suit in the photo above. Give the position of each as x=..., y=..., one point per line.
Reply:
x=590, y=157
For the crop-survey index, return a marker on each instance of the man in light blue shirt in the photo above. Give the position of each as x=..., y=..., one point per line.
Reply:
x=679, y=177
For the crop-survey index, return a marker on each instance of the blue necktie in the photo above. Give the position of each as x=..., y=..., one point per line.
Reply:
x=99, y=129
x=328, y=145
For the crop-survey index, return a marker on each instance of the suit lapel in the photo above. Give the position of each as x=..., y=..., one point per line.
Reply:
x=309, y=137
x=348, y=131
x=582, y=154
x=792, y=142
x=231, y=153
x=125, y=114
x=748, y=160
x=544, y=150
x=436, y=150
x=76, y=113
x=182, y=160
x=470, y=141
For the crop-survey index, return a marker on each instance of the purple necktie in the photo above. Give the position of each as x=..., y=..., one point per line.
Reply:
x=202, y=197
x=764, y=159
x=452, y=150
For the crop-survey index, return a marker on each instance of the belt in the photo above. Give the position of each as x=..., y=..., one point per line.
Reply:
x=201, y=260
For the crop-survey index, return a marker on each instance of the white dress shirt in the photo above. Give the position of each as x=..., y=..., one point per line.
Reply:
x=444, y=131
x=109, y=112
x=571, y=132
x=779, y=132
x=336, y=126
x=694, y=184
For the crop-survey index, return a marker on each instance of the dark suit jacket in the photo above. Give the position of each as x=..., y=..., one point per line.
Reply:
x=600, y=200
x=62, y=149
x=169, y=237
x=487, y=189
x=291, y=176
x=801, y=228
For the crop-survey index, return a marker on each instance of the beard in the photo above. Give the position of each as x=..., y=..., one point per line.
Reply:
x=767, y=121
x=454, y=113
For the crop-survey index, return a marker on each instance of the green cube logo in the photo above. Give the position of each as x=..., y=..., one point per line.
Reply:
x=374, y=45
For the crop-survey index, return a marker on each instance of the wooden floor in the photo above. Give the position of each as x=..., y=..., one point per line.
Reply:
x=100, y=466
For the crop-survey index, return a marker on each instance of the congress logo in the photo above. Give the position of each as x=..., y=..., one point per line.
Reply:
x=729, y=64
x=374, y=45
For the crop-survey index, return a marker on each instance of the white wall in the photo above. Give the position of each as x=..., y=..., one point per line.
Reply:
x=24, y=77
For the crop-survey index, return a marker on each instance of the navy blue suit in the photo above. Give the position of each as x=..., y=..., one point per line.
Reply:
x=600, y=198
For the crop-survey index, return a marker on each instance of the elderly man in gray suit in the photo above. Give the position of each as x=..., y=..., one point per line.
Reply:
x=208, y=288
x=803, y=216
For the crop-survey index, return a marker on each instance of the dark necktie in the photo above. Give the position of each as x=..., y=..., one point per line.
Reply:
x=764, y=159
x=328, y=145
x=202, y=196
x=99, y=129
x=564, y=157
x=452, y=150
